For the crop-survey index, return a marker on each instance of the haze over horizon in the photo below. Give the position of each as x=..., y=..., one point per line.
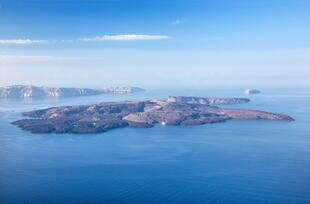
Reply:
x=154, y=43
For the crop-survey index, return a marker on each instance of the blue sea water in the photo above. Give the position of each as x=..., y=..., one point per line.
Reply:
x=231, y=162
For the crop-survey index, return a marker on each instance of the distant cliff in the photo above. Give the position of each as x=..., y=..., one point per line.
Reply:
x=22, y=91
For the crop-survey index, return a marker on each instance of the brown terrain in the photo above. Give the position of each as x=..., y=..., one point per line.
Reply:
x=109, y=115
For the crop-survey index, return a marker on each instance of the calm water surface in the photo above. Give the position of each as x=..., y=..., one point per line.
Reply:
x=231, y=162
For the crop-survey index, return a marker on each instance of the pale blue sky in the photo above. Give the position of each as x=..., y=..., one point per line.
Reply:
x=154, y=43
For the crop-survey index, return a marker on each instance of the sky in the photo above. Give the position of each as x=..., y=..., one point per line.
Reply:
x=148, y=43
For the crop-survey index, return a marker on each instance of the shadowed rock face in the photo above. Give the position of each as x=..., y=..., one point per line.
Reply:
x=105, y=116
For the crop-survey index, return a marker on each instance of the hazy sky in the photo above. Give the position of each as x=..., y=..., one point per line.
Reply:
x=154, y=43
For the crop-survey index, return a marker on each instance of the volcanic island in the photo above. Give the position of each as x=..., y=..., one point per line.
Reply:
x=176, y=110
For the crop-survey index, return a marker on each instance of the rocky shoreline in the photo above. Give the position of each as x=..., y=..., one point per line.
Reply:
x=102, y=117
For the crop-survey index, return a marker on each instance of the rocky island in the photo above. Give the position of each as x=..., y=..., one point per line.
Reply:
x=252, y=91
x=24, y=91
x=101, y=117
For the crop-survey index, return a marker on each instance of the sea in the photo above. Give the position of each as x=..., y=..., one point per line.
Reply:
x=237, y=161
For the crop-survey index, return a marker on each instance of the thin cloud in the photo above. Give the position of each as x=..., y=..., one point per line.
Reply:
x=22, y=42
x=33, y=58
x=176, y=22
x=127, y=37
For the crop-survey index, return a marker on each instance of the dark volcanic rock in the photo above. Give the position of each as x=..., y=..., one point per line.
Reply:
x=105, y=116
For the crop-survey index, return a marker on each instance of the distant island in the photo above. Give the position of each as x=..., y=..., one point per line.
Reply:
x=252, y=91
x=101, y=117
x=25, y=91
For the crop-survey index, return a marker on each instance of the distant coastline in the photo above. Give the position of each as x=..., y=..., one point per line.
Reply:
x=29, y=91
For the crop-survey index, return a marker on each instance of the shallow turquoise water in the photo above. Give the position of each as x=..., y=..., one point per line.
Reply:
x=231, y=162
